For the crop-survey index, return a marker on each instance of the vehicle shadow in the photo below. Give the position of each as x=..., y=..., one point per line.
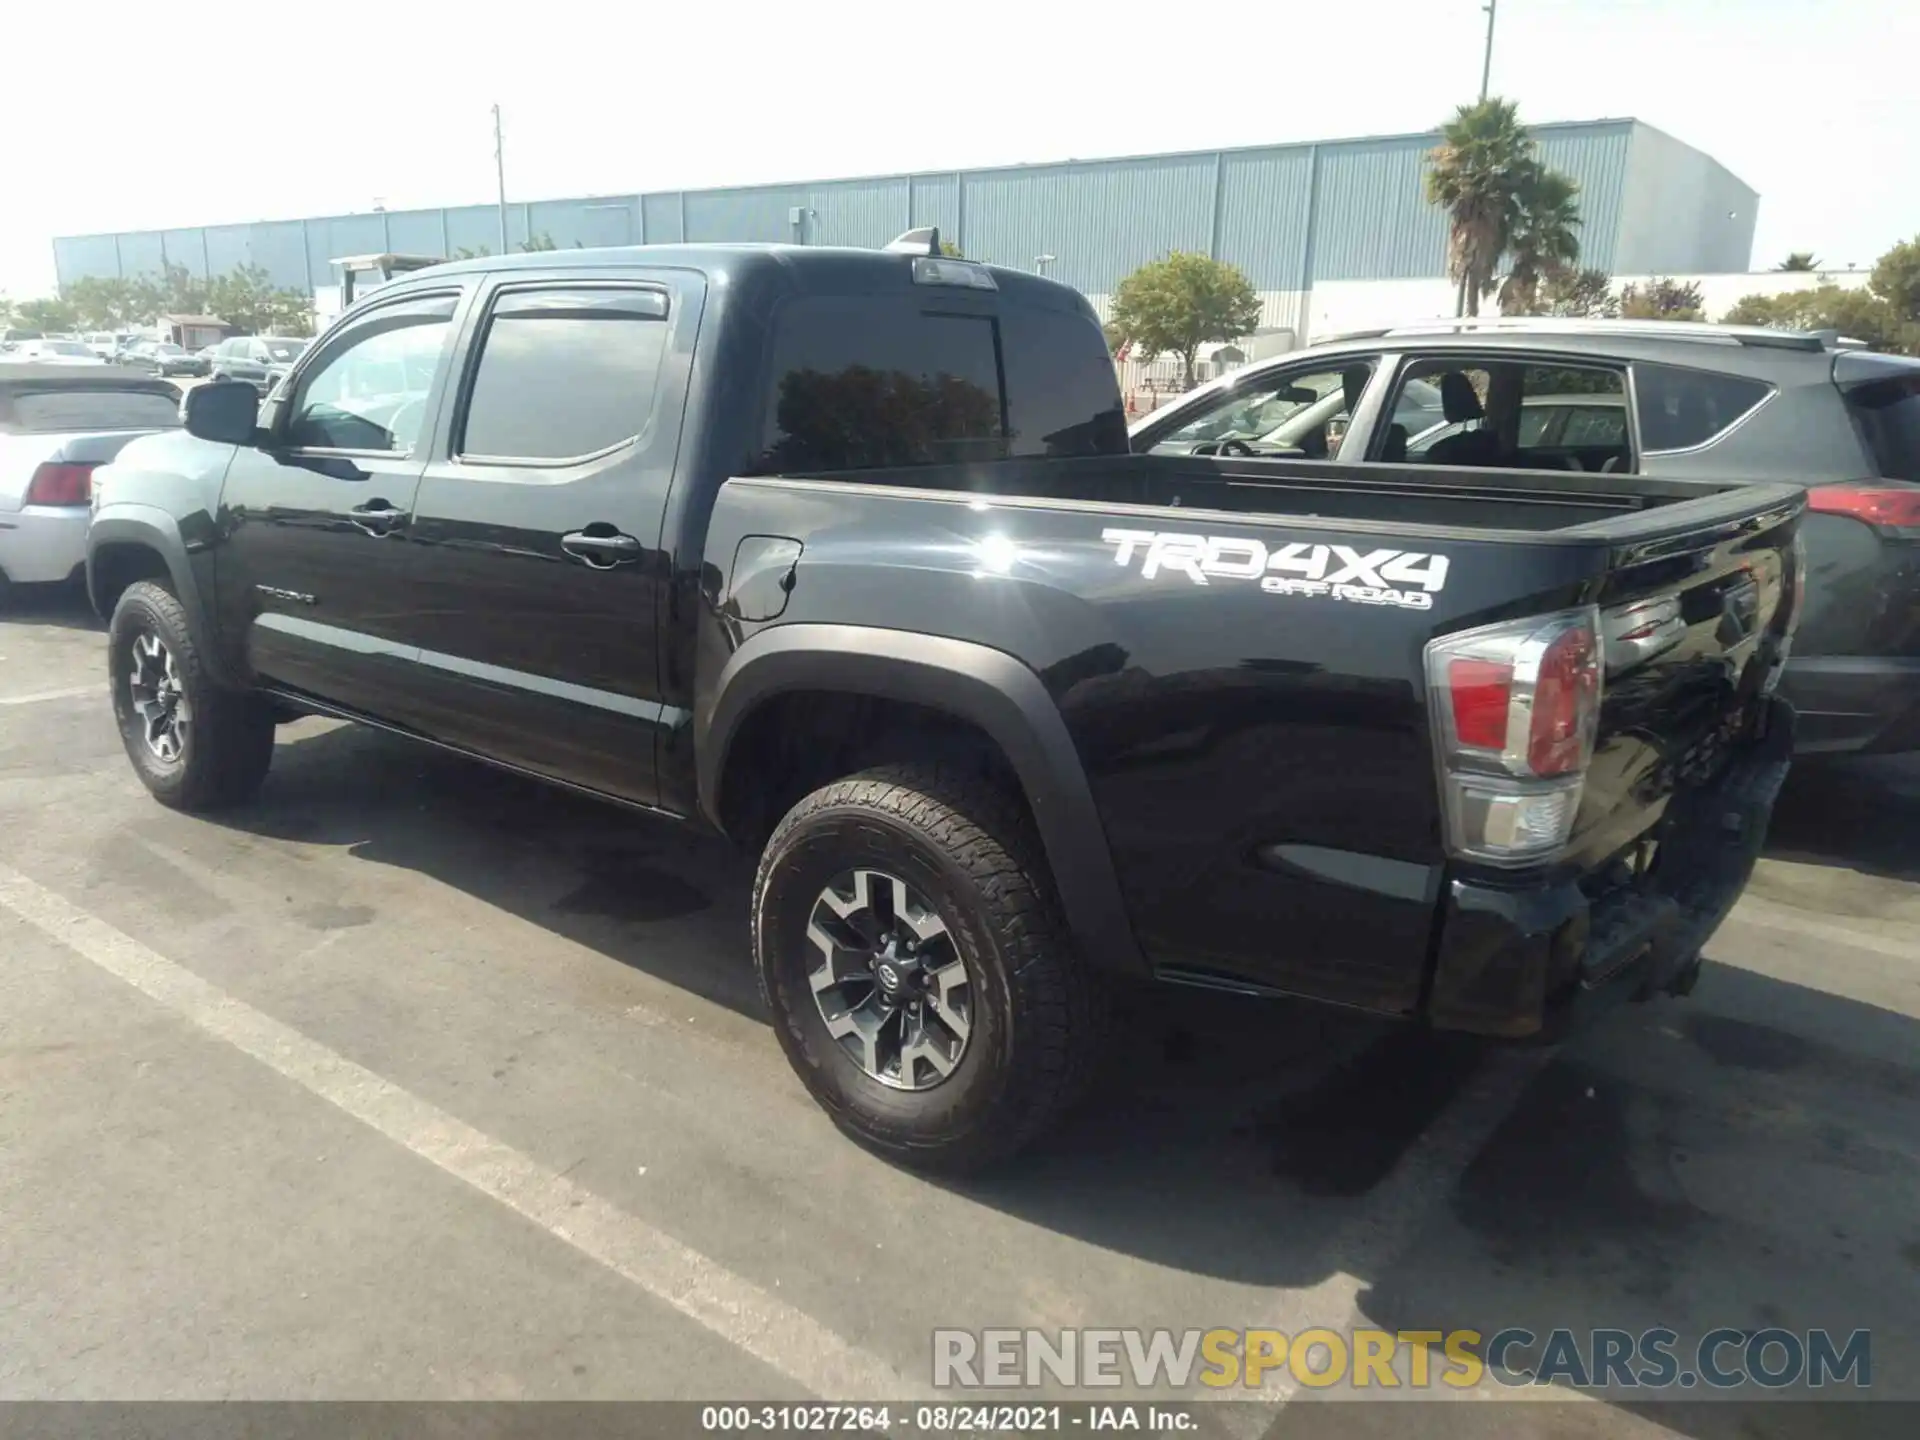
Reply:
x=1740, y=1159
x=64, y=606
x=1860, y=814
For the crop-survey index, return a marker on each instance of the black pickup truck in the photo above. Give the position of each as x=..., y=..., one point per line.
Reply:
x=841, y=553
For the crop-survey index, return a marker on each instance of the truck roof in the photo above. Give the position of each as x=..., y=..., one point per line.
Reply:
x=822, y=267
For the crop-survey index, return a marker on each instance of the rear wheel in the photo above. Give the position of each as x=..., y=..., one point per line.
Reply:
x=922, y=981
x=194, y=745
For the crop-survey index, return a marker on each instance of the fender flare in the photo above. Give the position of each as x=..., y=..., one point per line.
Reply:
x=154, y=529
x=986, y=687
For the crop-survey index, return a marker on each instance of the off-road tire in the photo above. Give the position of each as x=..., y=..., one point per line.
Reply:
x=1041, y=1017
x=229, y=744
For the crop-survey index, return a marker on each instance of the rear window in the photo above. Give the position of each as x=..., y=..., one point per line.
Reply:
x=1680, y=409
x=864, y=382
x=1888, y=414
x=46, y=411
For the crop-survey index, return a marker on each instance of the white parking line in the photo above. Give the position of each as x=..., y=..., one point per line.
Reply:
x=74, y=692
x=733, y=1308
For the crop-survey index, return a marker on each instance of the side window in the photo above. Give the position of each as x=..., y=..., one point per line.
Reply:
x=1440, y=415
x=564, y=373
x=369, y=391
x=1510, y=414
x=1680, y=409
x=1292, y=413
x=862, y=382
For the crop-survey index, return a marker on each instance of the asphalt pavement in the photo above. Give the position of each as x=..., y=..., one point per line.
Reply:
x=414, y=1080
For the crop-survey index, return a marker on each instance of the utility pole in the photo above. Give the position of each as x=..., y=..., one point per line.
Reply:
x=500, y=170
x=1486, y=64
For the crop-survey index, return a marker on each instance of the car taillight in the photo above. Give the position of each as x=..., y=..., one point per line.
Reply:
x=1891, y=510
x=1517, y=710
x=60, y=483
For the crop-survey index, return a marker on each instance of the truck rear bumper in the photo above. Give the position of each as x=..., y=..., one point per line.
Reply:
x=1531, y=962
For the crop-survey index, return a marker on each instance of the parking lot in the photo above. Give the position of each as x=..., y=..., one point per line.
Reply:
x=418, y=1080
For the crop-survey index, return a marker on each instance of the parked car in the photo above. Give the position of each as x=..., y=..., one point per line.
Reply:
x=163, y=357
x=57, y=423
x=842, y=554
x=1710, y=403
x=57, y=352
x=260, y=360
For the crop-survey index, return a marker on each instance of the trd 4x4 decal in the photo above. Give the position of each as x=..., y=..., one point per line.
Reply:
x=1407, y=578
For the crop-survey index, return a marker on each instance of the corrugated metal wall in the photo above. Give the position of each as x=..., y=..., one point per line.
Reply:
x=1286, y=215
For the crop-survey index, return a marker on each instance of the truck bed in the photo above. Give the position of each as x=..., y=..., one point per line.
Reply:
x=1440, y=500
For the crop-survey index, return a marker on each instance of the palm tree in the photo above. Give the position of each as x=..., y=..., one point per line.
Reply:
x=1542, y=239
x=1476, y=171
x=1799, y=260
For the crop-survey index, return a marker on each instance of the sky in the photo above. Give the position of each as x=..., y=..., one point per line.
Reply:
x=207, y=111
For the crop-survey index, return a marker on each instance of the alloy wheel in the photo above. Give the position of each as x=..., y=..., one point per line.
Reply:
x=158, y=697
x=888, y=980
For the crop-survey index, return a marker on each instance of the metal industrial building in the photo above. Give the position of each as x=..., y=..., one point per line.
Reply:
x=1290, y=216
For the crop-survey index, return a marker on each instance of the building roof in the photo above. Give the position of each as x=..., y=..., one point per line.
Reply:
x=194, y=320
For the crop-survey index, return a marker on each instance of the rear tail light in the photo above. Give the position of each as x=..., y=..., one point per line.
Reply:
x=1892, y=510
x=1517, y=707
x=61, y=483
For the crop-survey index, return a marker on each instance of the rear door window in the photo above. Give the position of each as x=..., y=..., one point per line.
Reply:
x=1888, y=415
x=39, y=412
x=1683, y=409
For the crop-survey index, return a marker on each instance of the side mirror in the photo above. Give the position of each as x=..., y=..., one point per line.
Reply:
x=223, y=411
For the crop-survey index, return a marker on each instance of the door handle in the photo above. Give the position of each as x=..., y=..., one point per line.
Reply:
x=602, y=552
x=377, y=517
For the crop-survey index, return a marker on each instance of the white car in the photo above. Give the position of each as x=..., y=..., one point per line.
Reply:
x=57, y=352
x=57, y=425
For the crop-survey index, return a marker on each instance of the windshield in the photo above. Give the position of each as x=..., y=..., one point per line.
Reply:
x=168, y=350
x=284, y=349
x=64, y=347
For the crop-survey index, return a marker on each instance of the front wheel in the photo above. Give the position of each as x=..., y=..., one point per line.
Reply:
x=194, y=745
x=922, y=981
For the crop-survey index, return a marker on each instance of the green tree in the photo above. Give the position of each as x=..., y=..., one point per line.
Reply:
x=1579, y=294
x=1663, y=299
x=534, y=243
x=48, y=314
x=1177, y=304
x=1896, y=279
x=1476, y=172
x=1543, y=238
x=104, y=302
x=181, y=292
x=1855, y=313
x=247, y=298
x=1798, y=261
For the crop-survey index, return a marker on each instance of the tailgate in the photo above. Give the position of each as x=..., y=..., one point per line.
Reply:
x=1695, y=626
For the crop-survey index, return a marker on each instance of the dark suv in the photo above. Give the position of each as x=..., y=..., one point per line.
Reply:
x=1677, y=401
x=260, y=360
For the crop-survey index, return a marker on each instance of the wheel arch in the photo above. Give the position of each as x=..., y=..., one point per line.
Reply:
x=979, y=687
x=130, y=543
